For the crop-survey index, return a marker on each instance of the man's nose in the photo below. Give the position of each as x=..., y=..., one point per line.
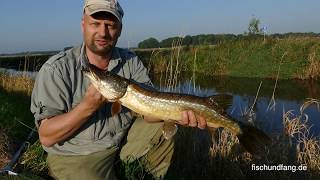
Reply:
x=103, y=31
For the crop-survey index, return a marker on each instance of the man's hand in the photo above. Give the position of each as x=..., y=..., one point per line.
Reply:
x=190, y=119
x=93, y=99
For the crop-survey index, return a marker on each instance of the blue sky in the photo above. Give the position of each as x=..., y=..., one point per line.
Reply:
x=27, y=25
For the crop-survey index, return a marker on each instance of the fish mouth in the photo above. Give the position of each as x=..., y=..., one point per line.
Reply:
x=95, y=72
x=111, y=86
x=91, y=75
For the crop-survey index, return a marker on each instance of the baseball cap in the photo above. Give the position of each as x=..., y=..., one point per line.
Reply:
x=111, y=6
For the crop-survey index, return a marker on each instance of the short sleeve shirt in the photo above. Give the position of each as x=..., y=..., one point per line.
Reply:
x=60, y=86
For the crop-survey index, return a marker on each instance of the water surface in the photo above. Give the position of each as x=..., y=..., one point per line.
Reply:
x=289, y=95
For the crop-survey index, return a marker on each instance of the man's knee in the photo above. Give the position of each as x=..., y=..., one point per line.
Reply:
x=146, y=143
x=158, y=159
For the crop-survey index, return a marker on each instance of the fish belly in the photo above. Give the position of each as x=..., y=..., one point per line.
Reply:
x=151, y=106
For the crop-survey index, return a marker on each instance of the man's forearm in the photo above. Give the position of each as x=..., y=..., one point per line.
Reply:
x=60, y=127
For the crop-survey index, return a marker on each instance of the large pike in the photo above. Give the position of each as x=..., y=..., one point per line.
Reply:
x=168, y=106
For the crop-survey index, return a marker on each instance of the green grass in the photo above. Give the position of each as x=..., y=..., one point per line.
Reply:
x=245, y=58
x=15, y=115
x=135, y=170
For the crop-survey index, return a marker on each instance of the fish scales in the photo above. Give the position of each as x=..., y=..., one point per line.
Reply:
x=168, y=106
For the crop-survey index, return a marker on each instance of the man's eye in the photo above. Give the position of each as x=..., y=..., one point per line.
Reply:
x=112, y=26
x=95, y=24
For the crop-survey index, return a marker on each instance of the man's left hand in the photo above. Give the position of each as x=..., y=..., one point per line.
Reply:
x=190, y=119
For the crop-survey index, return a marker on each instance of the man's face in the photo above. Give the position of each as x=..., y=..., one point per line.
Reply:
x=100, y=32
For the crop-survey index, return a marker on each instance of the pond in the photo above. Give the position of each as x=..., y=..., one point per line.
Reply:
x=289, y=95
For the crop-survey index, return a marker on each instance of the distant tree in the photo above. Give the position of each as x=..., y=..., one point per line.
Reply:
x=210, y=39
x=220, y=38
x=195, y=40
x=149, y=43
x=187, y=40
x=169, y=41
x=229, y=37
x=201, y=39
x=254, y=26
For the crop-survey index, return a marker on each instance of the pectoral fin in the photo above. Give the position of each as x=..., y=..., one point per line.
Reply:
x=115, y=108
x=169, y=129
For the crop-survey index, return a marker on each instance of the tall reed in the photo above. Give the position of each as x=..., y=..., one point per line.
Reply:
x=312, y=70
x=16, y=83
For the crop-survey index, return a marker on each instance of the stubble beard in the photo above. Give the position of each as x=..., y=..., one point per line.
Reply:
x=102, y=51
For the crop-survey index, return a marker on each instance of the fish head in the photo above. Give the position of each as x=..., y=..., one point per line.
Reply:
x=110, y=85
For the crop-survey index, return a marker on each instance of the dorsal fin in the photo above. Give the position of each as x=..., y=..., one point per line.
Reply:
x=223, y=101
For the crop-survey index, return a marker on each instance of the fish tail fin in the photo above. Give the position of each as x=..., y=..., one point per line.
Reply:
x=253, y=140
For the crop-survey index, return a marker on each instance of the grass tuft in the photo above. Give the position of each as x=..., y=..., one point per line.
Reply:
x=4, y=148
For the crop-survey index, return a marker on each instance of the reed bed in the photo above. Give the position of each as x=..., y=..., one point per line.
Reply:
x=312, y=70
x=16, y=83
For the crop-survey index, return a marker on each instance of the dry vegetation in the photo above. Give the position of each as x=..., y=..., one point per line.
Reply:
x=4, y=148
x=312, y=70
x=11, y=83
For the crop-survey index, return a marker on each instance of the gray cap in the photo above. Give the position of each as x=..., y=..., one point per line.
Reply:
x=111, y=6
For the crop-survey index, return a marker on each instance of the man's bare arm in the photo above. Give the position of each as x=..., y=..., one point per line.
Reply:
x=58, y=128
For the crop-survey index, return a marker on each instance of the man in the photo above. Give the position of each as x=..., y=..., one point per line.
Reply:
x=74, y=120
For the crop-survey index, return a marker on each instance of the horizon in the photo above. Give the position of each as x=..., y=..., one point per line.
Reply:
x=52, y=26
x=133, y=47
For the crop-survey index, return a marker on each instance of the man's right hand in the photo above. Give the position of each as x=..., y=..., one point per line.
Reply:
x=93, y=99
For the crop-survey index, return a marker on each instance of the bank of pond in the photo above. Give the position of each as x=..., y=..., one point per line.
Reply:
x=288, y=58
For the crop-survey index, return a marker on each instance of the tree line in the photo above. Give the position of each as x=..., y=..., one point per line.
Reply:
x=214, y=39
